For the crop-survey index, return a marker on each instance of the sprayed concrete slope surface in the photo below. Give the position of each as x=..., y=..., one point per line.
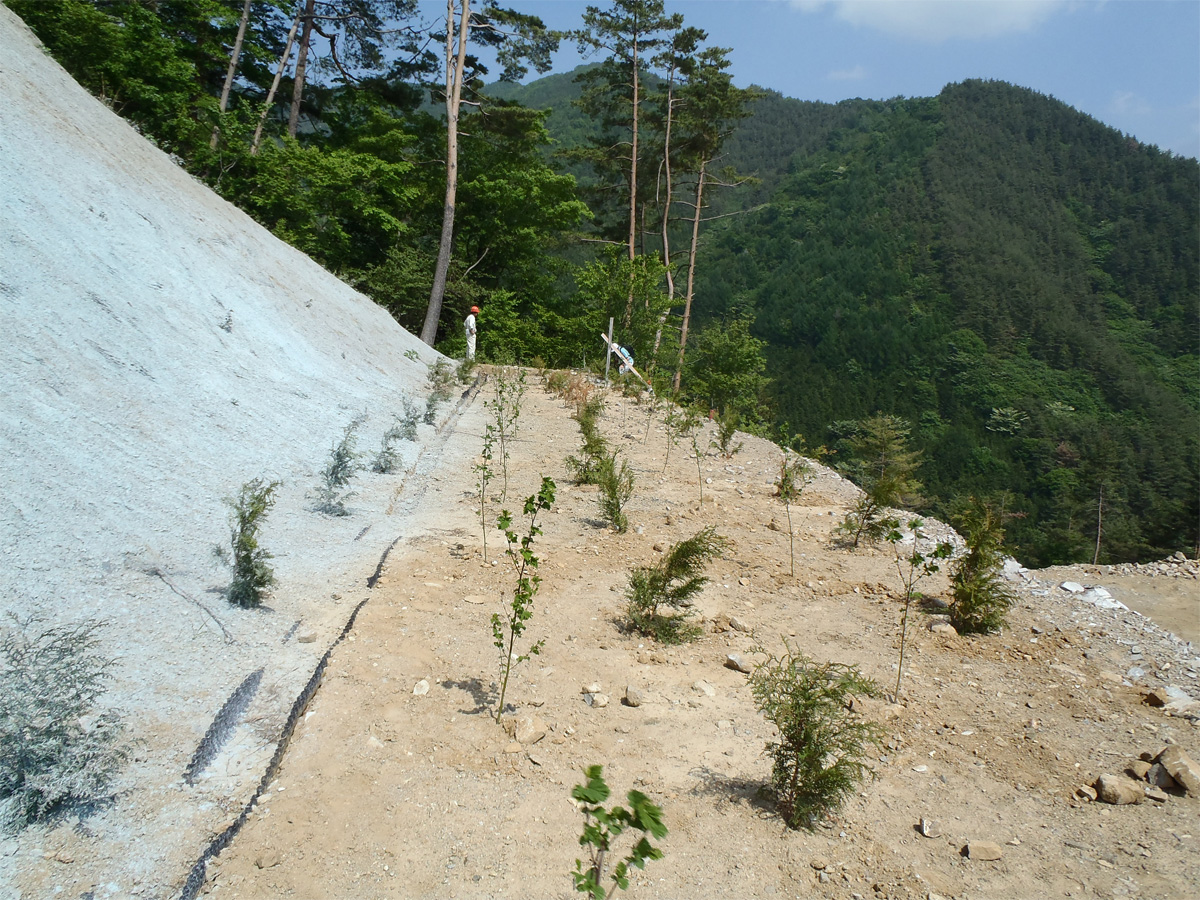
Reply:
x=158, y=350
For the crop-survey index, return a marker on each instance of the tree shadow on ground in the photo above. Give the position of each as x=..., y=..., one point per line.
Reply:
x=485, y=697
x=742, y=791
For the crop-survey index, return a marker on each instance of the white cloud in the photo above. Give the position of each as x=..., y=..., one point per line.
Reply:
x=858, y=73
x=1128, y=103
x=939, y=20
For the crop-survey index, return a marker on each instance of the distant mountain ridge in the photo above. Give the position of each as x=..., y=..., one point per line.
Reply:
x=1018, y=280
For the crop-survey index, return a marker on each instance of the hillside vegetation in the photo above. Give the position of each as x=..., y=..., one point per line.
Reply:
x=1013, y=278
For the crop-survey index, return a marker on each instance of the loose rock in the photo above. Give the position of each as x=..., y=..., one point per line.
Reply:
x=1159, y=777
x=1118, y=790
x=703, y=687
x=1182, y=768
x=944, y=628
x=734, y=661
x=738, y=625
x=633, y=697
x=930, y=828
x=985, y=850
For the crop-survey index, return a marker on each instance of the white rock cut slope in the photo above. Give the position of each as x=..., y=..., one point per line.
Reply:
x=158, y=348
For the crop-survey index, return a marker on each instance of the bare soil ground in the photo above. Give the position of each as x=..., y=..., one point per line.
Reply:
x=388, y=791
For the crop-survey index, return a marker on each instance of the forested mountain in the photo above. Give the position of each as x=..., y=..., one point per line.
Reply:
x=1015, y=279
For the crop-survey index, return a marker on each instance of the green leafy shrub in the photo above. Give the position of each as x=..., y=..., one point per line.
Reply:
x=409, y=420
x=388, y=457
x=981, y=598
x=671, y=585
x=725, y=443
x=342, y=466
x=585, y=468
x=441, y=388
x=602, y=827
x=59, y=749
x=616, y=489
x=820, y=757
x=510, y=626
x=252, y=572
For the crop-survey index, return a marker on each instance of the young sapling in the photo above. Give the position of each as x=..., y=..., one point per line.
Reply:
x=602, y=827
x=252, y=572
x=913, y=569
x=510, y=626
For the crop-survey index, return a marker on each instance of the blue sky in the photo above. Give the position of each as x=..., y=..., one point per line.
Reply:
x=1132, y=64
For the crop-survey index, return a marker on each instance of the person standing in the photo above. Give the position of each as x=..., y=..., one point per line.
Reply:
x=470, y=327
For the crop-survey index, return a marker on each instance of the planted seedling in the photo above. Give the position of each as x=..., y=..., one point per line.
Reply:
x=510, y=626
x=671, y=584
x=252, y=572
x=822, y=752
x=601, y=829
x=912, y=569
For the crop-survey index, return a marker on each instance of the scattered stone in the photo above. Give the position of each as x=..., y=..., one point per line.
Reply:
x=477, y=599
x=738, y=625
x=819, y=864
x=734, y=661
x=421, y=688
x=596, y=701
x=1118, y=790
x=703, y=687
x=944, y=628
x=593, y=688
x=984, y=850
x=720, y=622
x=529, y=730
x=1159, y=777
x=1171, y=699
x=513, y=747
x=1072, y=587
x=930, y=828
x=1085, y=792
x=1137, y=770
x=659, y=547
x=823, y=877
x=267, y=859
x=1101, y=598
x=1155, y=794
x=633, y=697
x=1181, y=767
x=309, y=637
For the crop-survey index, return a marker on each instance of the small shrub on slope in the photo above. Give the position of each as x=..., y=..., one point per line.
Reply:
x=981, y=598
x=252, y=572
x=57, y=749
x=671, y=585
x=821, y=755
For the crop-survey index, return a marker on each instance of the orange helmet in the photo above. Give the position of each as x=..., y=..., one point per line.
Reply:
x=474, y=309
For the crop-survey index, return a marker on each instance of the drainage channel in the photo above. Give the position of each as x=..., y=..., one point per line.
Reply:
x=199, y=871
